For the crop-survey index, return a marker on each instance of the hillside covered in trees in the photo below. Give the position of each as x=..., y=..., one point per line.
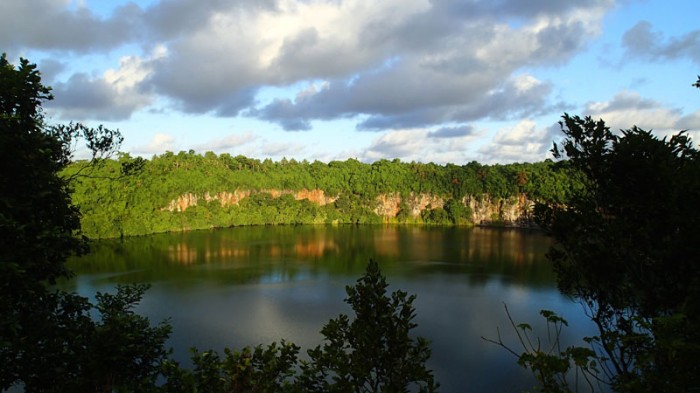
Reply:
x=185, y=191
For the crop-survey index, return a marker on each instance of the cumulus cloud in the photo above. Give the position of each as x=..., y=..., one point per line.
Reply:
x=279, y=149
x=54, y=25
x=524, y=142
x=395, y=99
x=394, y=64
x=452, y=132
x=447, y=144
x=642, y=42
x=628, y=109
x=113, y=96
x=690, y=122
x=160, y=143
x=227, y=143
x=399, y=63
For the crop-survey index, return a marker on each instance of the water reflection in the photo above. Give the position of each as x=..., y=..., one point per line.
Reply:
x=247, y=252
x=245, y=286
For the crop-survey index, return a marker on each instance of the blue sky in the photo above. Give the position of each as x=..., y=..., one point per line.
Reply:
x=419, y=80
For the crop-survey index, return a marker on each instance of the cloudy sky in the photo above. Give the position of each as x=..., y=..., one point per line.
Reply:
x=420, y=80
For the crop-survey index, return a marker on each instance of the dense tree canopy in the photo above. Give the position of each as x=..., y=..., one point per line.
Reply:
x=137, y=205
x=48, y=338
x=627, y=249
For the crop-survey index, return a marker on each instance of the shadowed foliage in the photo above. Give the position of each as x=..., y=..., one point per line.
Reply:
x=626, y=248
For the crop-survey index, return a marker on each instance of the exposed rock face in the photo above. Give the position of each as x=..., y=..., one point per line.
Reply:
x=420, y=202
x=485, y=209
x=225, y=198
x=316, y=196
x=182, y=203
x=388, y=205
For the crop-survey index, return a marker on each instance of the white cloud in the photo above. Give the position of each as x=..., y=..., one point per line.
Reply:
x=421, y=145
x=159, y=144
x=420, y=73
x=523, y=142
x=641, y=42
x=116, y=95
x=396, y=63
x=226, y=143
x=628, y=108
x=279, y=149
x=690, y=122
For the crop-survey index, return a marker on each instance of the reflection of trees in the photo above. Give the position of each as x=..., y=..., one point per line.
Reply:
x=250, y=254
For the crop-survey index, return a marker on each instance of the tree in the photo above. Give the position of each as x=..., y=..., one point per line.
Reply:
x=626, y=248
x=457, y=212
x=260, y=369
x=374, y=352
x=48, y=341
x=37, y=221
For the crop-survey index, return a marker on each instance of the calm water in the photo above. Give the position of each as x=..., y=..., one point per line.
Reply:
x=246, y=286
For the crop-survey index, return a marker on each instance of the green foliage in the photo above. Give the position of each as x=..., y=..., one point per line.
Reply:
x=37, y=221
x=48, y=340
x=626, y=249
x=557, y=369
x=373, y=352
x=260, y=369
x=457, y=212
x=124, y=351
x=435, y=216
x=115, y=205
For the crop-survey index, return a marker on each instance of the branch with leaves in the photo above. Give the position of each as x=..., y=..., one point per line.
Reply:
x=556, y=369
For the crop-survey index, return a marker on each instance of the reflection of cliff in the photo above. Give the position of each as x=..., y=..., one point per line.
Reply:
x=386, y=242
x=225, y=252
x=182, y=253
x=314, y=248
x=511, y=245
x=187, y=254
x=251, y=254
x=473, y=246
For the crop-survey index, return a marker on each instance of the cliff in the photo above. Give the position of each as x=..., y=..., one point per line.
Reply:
x=484, y=208
x=225, y=198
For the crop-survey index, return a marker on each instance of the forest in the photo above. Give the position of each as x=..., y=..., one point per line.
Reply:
x=129, y=196
x=618, y=206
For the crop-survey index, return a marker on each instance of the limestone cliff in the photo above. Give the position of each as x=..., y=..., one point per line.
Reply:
x=226, y=198
x=485, y=209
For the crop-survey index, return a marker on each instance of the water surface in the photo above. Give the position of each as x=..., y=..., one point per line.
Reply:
x=246, y=286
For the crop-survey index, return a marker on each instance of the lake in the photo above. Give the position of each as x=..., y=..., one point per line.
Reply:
x=254, y=285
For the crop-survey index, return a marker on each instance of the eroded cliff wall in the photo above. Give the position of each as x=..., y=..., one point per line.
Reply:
x=484, y=208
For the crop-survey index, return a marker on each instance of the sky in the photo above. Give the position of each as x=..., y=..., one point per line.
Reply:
x=444, y=81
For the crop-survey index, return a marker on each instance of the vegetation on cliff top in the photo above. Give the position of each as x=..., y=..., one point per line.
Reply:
x=114, y=206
